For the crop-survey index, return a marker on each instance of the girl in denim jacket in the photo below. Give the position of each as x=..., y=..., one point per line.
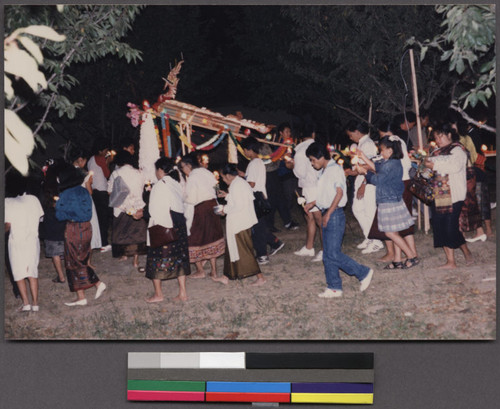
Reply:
x=393, y=215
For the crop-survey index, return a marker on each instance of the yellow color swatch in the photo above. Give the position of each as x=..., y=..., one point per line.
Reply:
x=355, y=398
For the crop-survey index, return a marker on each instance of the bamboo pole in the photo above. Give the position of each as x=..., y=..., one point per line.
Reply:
x=419, y=131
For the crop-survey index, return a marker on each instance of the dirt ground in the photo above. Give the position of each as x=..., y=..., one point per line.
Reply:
x=420, y=303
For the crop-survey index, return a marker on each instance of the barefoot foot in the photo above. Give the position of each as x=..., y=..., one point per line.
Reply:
x=259, y=282
x=447, y=266
x=224, y=280
x=153, y=299
x=199, y=274
x=182, y=298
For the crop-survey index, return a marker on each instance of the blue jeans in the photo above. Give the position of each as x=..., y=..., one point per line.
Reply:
x=333, y=258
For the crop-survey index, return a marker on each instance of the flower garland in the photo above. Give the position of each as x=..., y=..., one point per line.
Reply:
x=206, y=146
x=274, y=157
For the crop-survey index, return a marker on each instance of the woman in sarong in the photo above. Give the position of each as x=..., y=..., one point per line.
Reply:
x=449, y=163
x=75, y=206
x=206, y=239
x=239, y=261
x=79, y=160
x=128, y=238
x=166, y=209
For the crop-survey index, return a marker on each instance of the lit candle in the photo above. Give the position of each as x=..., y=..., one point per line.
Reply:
x=484, y=148
x=56, y=198
x=341, y=162
x=216, y=174
x=433, y=144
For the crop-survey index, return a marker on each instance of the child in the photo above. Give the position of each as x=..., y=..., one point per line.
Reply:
x=331, y=200
x=393, y=215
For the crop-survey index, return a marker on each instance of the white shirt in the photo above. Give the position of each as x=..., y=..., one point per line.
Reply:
x=166, y=195
x=368, y=147
x=330, y=179
x=256, y=173
x=405, y=162
x=135, y=182
x=200, y=186
x=307, y=175
x=99, y=181
x=240, y=213
x=455, y=166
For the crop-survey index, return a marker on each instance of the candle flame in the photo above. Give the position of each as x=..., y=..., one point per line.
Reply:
x=484, y=148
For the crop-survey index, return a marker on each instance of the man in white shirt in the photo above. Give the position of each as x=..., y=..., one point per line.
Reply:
x=308, y=181
x=364, y=203
x=98, y=165
x=331, y=200
x=256, y=177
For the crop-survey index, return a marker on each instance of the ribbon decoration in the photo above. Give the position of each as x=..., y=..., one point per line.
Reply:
x=206, y=146
x=274, y=157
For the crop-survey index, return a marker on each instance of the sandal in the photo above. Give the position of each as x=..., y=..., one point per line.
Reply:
x=411, y=262
x=395, y=265
x=58, y=280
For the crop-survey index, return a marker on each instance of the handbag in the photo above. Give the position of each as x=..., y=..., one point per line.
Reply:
x=421, y=186
x=261, y=204
x=160, y=236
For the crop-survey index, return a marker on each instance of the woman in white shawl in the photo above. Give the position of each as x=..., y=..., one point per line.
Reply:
x=166, y=209
x=239, y=261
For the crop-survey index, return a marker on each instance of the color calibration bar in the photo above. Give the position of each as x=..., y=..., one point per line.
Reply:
x=343, y=378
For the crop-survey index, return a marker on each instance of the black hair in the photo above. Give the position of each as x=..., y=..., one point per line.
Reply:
x=394, y=144
x=251, y=143
x=76, y=153
x=318, y=151
x=50, y=186
x=100, y=144
x=191, y=159
x=282, y=127
x=69, y=177
x=229, y=169
x=353, y=126
x=125, y=142
x=125, y=158
x=410, y=116
x=168, y=166
x=384, y=126
x=441, y=128
x=15, y=184
x=462, y=127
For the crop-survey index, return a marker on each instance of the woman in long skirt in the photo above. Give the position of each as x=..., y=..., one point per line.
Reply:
x=128, y=238
x=166, y=209
x=206, y=239
x=75, y=206
x=239, y=261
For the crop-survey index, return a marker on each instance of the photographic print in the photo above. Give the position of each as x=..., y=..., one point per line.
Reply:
x=223, y=172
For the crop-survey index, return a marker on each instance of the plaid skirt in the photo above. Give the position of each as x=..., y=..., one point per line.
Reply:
x=393, y=217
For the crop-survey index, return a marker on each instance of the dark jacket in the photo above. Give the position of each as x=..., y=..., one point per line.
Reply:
x=388, y=180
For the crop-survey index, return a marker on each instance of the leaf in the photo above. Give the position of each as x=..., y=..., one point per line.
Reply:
x=19, y=141
x=460, y=67
x=42, y=31
x=32, y=48
x=8, y=90
x=21, y=64
x=423, y=51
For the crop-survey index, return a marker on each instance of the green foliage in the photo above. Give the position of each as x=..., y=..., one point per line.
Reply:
x=468, y=44
x=92, y=32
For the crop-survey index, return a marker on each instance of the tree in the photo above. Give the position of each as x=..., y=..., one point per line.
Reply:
x=21, y=59
x=92, y=32
x=468, y=44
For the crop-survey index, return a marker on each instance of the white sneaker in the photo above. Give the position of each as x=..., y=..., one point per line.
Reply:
x=365, y=282
x=329, y=293
x=318, y=257
x=106, y=248
x=75, y=303
x=363, y=244
x=304, y=252
x=100, y=290
x=374, y=246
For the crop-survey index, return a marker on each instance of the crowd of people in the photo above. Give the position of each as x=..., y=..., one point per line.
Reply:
x=105, y=204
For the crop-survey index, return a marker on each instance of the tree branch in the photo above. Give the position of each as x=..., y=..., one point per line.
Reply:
x=352, y=113
x=47, y=109
x=471, y=120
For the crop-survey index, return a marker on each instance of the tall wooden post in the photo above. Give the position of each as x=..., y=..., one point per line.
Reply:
x=419, y=131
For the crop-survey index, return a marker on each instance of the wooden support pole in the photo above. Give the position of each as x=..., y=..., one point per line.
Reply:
x=419, y=130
